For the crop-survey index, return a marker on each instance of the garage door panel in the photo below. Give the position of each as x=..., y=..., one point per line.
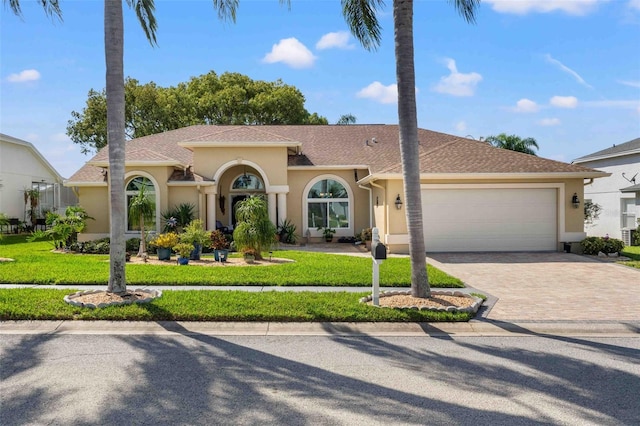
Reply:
x=490, y=219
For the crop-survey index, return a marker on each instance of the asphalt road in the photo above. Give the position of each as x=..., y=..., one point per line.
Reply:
x=198, y=379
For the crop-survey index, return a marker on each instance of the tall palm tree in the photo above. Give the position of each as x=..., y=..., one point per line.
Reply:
x=513, y=143
x=361, y=17
x=114, y=52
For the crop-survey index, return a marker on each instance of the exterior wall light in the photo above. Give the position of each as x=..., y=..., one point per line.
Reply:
x=398, y=202
x=575, y=201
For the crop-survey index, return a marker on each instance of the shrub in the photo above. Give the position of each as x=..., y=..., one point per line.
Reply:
x=195, y=233
x=254, y=229
x=166, y=240
x=132, y=244
x=594, y=245
x=219, y=240
x=183, y=249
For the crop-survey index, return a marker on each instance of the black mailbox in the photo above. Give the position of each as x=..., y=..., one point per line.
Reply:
x=378, y=250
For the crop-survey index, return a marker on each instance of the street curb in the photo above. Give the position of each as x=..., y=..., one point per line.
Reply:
x=471, y=328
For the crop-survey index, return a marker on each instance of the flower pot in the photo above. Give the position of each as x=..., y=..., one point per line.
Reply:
x=197, y=250
x=164, y=253
x=183, y=260
x=221, y=255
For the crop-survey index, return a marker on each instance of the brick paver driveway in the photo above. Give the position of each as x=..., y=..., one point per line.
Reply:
x=548, y=286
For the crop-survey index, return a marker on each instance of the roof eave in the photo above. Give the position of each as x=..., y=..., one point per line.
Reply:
x=485, y=176
x=164, y=163
x=605, y=156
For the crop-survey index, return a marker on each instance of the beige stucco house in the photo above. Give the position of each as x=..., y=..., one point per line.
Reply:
x=475, y=197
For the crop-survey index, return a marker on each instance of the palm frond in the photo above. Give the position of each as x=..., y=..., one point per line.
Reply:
x=145, y=12
x=467, y=9
x=361, y=18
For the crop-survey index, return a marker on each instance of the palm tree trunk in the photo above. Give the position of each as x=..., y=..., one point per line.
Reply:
x=408, y=125
x=114, y=52
x=143, y=240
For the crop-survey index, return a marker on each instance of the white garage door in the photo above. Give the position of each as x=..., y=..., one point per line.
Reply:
x=489, y=219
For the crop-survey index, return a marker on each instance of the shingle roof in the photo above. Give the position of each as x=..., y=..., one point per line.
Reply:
x=614, y=151
x=375, y=146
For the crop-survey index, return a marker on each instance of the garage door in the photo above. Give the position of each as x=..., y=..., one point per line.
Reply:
x=490, y=219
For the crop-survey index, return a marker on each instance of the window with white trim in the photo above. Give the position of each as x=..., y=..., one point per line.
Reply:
x=328, y=205
x=627, y=213
x=132, y=189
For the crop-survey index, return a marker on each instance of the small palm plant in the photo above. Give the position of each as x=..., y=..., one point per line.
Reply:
x=143, y=208
x=254, y=229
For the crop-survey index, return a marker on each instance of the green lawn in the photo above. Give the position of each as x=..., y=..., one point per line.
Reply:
x=209, y=305
x=632, y=252
x=36, y=263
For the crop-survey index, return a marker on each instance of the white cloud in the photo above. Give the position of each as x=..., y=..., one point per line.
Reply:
x=526, y=105
x=23, y=76
x=31, y=137
x=630, y=83
x=564, y=101
x=549, y=122
x=634, y=4
x=522, y=7
x=380, y=93
x=461, y=126
x=291, y=52
x=567, y=70
x=456, y=83
x=338, y=40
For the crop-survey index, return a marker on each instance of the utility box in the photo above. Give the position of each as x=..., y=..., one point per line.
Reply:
x=378, y=250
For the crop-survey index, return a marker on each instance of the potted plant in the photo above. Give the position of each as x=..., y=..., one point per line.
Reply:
x=220, y=246
x=164, y=243
x=327, y=233
x=249, y=254
x=195, y=234
x=184, y=251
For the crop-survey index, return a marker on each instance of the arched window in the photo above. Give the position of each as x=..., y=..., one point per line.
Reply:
x=328, y=205
x=132, y=189
x=248, y=182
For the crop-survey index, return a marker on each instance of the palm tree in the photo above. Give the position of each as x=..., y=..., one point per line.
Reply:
x=143, y=208
x=361, y=17
x=513, y=143
x=114, y=52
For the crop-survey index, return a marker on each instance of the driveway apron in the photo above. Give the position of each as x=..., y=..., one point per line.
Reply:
x=548, y=286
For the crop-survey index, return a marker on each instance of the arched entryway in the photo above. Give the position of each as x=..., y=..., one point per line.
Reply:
x=243, y=186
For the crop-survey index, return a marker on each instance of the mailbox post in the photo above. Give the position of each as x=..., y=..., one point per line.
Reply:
x=378, y=255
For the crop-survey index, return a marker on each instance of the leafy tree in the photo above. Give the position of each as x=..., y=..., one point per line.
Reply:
x=142, y=207
x=230, y=98
x=254, y=229
x=513, y=143
x=361, y=17
x=347, y=119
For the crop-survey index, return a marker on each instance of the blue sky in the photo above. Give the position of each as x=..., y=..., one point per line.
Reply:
x=566, y=72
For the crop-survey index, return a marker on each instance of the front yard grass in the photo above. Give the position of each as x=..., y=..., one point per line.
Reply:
x=36, y=263
x=212, y=305
x=632, y=252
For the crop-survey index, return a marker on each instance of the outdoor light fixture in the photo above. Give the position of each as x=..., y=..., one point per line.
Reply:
x=575, y=201
x=398, y=202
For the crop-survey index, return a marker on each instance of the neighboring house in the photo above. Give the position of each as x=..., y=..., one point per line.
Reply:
x=618, y=194
x=475, y=197
x=22, y=168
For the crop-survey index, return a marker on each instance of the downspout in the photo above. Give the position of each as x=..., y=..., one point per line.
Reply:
x=386, y=216
x=370, y=204
x=588, y=183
